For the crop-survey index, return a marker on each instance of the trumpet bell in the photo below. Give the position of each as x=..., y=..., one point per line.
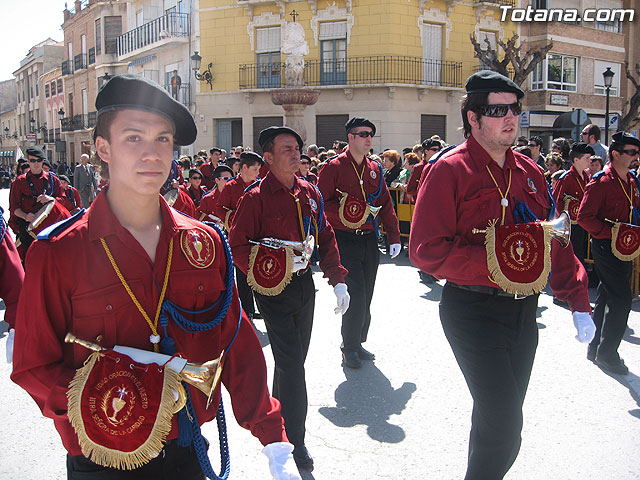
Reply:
x=204, y=376
x=561, y=228
x=374, y=211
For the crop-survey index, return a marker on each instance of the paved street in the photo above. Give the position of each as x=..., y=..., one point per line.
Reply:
x=406, y=416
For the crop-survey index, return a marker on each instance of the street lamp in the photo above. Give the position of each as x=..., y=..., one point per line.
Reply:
x=61, y=114
x=206, y=76
x=608, y=79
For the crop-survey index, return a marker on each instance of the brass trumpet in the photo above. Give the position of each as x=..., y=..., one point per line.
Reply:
x=304, y=248
x=204, y=376
x=560, y=228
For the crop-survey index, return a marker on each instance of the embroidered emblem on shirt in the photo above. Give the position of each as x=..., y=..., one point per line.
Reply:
x=313, y=204
x=373, y=174
x=198, y=246
x=532, y=185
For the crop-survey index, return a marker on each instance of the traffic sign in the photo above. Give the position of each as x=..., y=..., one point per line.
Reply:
x=30, y=136
x=579, y=117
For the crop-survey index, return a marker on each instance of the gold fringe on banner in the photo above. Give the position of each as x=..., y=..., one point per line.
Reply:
x=495, y=272
x=118, y=459
x=346, y=222
x=567, y=201
x=615, y=230
x=277, y=289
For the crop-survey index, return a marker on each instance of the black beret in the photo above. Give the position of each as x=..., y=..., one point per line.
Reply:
x=47, y=163
x=430, y=143
x=194, y=170
x=582, y=148
x=64, y=178
x=250, y=158
x=623, y=138
x=272, y=132
x=221, y=168
x=128, y=91
x=214, y=150
x=359, y=122
x=305, y=156
x=487, y=81
x=35, y=152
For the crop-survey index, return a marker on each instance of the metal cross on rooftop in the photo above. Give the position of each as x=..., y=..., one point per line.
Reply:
x=294, y=14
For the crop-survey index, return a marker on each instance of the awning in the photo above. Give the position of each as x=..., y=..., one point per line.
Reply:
x=139, y=61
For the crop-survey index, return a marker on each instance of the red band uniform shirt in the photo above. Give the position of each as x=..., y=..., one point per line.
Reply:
x=94, y=305
x=572, y=184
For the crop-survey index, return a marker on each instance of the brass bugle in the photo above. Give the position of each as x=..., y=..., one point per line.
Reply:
x=560, y=228
x=204, y=376
x=372, y=210
x=304, y=248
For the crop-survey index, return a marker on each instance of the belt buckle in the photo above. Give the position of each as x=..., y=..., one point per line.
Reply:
x=519, y=296
x=359, y=231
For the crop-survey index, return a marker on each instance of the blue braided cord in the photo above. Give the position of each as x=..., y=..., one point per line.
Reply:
x=635, y=215
x=51, y=174
x=3, y=225
x=373, y=196
x=522, y=213
x=552, y=212
x=315, y=256
x=321, y=227
x=199, y=444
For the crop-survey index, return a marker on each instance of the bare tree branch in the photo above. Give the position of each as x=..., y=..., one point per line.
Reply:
x=632, y=106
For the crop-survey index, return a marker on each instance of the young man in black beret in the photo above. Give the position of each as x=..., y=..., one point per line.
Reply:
x=611, y=197
x=133, y=258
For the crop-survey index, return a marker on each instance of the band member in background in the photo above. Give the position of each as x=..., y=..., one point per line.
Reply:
x=29, y=192
x=250, y=163
x=430, y=147
x=353, y=186
x=484, y=184
x=11, y=278
x=195, y=189
x=284, y=207
x=133, y=259
x=70, y=196
x=305, y=165
x=609, y=208
x=206, y=210
x=568, y=193
x=208, y=168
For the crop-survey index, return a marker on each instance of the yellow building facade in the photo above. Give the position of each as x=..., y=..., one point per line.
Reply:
x=401, y=63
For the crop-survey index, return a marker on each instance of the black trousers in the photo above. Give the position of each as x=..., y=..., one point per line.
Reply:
x=494, y=340
x=614, y=291
x=173, y=463
x=289, y=319
x=579, y=242
x=245, y=293
x=360, y=255
x=25, y=237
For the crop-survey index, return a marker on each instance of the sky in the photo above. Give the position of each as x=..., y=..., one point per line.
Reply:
x=23, y=24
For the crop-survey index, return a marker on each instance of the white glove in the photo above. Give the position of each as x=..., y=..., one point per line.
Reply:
x=585, y=327
x=281, y=462
x=343, y=298
x=299, y=263
x=394, y=249
x=10, y=345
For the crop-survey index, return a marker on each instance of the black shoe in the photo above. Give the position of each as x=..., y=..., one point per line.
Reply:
x=617, y=367
x=351, y=359
x=561, y=303
x=302, y=458
x=591, y=354
x=426, y=278
x=365, y=354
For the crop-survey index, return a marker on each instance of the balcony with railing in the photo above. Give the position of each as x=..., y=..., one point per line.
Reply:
x=79, y=122
x=79, y=62
x=170, y=28
x=181, y=93
x=376, y=70
x=67, y=67
x=507, y=3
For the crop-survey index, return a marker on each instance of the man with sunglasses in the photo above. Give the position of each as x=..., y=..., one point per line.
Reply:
x=611, y=196
x=206, y=210
x=493, y=333
x=591, y=134
x=354, y=174
x=29, y=192
x=535, y=145
x=430, y=147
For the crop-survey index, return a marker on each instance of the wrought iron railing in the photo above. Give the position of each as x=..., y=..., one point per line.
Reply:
x=79, y=122
x=181, y=93
x=357, y=71
x=510, y=3
x=67, y=67
x=171, y=24
x=79, y=62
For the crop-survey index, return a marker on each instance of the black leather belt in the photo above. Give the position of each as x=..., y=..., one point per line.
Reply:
x=360, y=232
x=494, y=292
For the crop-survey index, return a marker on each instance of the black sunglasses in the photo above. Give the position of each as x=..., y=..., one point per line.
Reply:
x=631, y=152
x=196, y=178
x=434, y=149
x=36, y=160
x=363, y=134
x=499, y=110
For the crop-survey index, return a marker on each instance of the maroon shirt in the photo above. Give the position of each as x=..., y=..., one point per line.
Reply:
x=207, y=175
x=458, y=195
x=269, y=210
x=11, y=277
x=66, y=199
x=571, y=183
x=414, y=179
x=195, y=195
x=229, y=198
x=339, y=174
x=604, y=198
x=23, y=196
x=208, y=205
x=93, y=303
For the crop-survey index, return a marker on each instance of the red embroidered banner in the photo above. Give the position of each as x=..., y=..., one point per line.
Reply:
x=270, y=269
x=625, y=241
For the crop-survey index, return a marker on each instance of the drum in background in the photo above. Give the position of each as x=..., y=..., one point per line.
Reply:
x=50, y=213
